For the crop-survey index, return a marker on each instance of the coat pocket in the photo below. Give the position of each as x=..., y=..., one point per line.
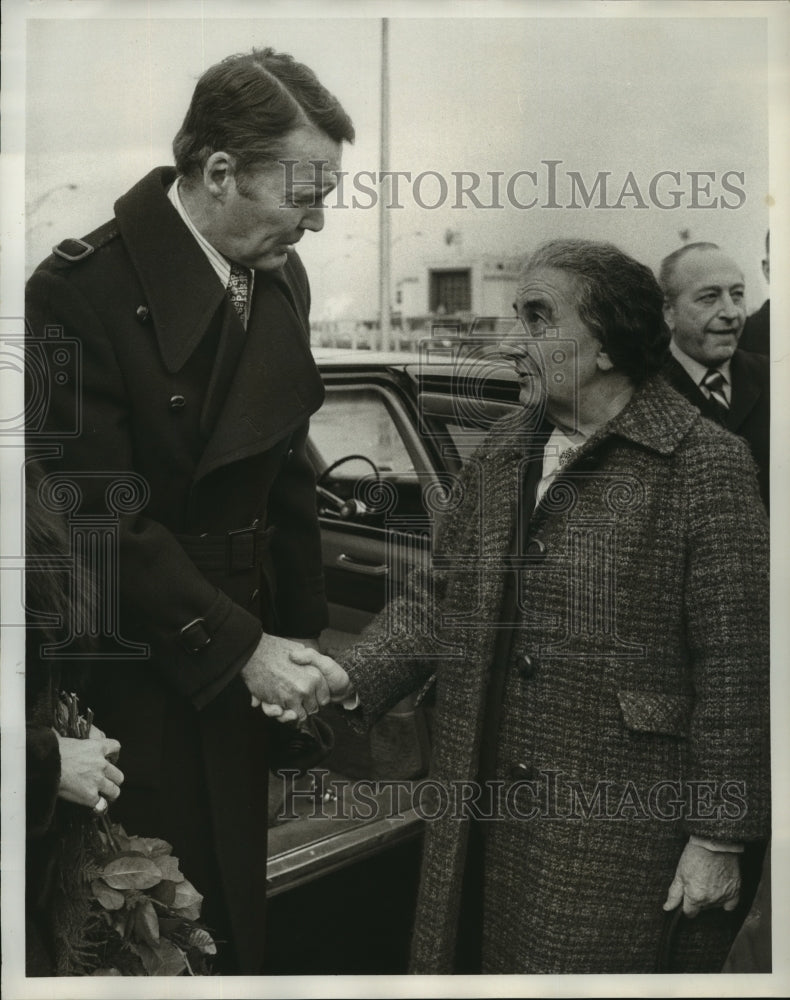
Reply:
x=654, y=712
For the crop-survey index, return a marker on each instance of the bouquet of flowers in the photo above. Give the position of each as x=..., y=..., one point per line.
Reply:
x=131, y=911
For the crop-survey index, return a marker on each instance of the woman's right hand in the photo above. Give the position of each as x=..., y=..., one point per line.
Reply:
x=85, y=773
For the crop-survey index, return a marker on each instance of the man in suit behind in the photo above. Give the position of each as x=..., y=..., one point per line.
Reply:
x=188, y=316
x=757, y=329
x=705, y=311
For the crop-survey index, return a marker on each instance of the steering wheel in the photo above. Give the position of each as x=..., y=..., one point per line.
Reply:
x=345, y=508
x=349, y=458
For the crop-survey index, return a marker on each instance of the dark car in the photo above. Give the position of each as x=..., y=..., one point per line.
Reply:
x=344, y=839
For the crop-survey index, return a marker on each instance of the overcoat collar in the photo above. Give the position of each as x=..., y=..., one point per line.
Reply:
x=269, y=383
x=182, y=290
x=276, y=385
x=656, y=417
x=181, y=287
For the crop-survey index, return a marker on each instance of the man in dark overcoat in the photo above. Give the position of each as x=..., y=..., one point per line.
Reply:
x=182, y=383
x=705, y=309
x=599, y=605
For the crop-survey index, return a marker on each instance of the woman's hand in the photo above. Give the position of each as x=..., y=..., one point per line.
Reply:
x=85, y=773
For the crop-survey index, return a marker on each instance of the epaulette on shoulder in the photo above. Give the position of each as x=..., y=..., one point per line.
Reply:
x=73, y=250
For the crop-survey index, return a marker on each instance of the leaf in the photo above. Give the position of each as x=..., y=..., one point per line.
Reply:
x=110, y=899
x=146, y=923
x=203, y=941
x=191, y=912
x=187, y=900
x=131, y=873
x=164, y=893
x=157, y=847
x=140, y=845
x=163, y=960
x=168, y=866
x=151, y=847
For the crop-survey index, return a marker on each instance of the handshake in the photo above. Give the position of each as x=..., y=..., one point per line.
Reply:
x=290, y=679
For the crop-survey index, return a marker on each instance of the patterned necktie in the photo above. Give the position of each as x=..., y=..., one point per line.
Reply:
x=239, y=290
x=714, y=382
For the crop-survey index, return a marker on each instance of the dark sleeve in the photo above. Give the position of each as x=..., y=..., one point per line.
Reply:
x=296, y=545
x=161, y=590
x=43, y=778
x=727, y=615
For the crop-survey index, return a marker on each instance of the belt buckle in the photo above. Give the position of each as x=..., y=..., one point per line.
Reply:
x=230, y=540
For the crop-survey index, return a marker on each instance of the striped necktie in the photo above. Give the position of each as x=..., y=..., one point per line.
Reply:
x=714, y=382
x=239, y=290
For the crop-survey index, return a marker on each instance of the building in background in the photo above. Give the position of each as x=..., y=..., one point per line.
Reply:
x=433, y=288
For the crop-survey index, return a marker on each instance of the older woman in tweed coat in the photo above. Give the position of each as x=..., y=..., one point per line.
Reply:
x=617, y=694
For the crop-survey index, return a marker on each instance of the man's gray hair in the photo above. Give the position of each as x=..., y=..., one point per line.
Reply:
x=669, y=266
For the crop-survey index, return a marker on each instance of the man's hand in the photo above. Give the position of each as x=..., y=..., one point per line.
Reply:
x=287, y=689
x=85, y=772
x=704, y=879
x=340, y=688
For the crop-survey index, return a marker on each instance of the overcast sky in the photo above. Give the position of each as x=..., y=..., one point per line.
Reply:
x=106, y=95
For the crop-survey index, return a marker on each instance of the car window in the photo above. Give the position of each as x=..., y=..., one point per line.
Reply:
x=359, y=421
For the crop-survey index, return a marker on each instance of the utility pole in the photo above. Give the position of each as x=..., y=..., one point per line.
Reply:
x=384, y=218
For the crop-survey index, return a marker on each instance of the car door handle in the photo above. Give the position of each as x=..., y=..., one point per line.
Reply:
x=347, y=562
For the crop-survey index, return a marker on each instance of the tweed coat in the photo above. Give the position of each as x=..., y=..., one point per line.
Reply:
x=206, y=424
x=749, y=415
x=639, y=656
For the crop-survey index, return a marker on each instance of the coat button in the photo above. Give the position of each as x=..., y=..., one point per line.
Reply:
x=177, y=402
x=143, y=313
x=535, y=547
x=526, y=665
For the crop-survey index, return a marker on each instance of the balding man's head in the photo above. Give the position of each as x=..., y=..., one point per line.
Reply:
x=704, y=307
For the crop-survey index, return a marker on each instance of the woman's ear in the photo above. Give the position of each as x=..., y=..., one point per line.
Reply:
x=604, y=362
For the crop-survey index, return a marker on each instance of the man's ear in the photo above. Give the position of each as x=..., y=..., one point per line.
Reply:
x=219, y=175
x=604, y=362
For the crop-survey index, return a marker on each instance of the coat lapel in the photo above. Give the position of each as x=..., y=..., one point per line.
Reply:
x=679, y=378
x=746, y=390
x=275, y=386
x=182, y=289
x=264, y=382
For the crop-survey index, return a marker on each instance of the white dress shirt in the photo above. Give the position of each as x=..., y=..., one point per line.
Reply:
x=220, y=263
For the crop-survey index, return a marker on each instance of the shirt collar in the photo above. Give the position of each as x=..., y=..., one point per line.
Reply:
x=220, y=263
